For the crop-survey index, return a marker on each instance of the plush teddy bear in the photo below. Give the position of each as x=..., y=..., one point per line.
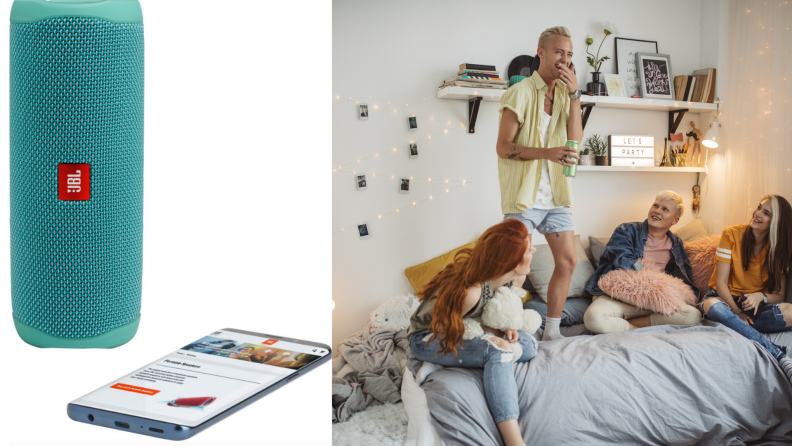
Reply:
x=504, y=311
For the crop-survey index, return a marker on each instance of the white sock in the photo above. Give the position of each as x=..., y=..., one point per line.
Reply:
x=786, y=366
x=426, y=369
x=552, y=329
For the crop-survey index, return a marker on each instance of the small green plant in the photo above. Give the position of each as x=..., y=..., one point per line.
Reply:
x=585, y=152
x=597, y=145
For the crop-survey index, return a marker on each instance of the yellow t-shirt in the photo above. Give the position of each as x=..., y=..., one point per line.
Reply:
x=519, y=180
x=730, y=251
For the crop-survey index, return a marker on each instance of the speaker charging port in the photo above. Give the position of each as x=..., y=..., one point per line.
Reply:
x=154, y=429
x=122, y=424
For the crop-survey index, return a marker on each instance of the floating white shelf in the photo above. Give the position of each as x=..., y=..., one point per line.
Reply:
x=465, y=93
x=648, y=104
x=476, y=95
x=641, y=169
x=493, y=95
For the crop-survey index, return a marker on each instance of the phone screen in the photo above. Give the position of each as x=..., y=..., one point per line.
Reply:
x=203, y=378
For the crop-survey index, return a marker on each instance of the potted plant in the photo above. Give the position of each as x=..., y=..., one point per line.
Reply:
x=584, y=157
x=596, y=87
x=598, y=148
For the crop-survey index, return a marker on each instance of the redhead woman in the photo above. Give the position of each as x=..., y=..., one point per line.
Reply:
x=748, y=286
x=502, y=255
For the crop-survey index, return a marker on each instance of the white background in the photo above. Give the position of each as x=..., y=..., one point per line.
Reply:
x=400, y=52
x=237, y=213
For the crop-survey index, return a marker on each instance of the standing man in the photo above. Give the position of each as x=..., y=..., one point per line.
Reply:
x=537, y=117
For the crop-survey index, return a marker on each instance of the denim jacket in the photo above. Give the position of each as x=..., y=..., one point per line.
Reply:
x=627, y=245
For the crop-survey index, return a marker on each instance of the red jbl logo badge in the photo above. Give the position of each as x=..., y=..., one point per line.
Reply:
x=269, y=342
x=74, y=182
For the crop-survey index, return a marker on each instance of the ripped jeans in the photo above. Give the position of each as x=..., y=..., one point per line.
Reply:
x=500, y=387
x=768, y=319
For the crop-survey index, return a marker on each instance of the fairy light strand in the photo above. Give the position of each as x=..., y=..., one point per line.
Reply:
x=413, y=204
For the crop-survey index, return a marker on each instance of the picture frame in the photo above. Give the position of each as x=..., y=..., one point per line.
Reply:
x=656, y=76
x=625, y=50
x=413, y=150
x=363, y=112
x=615, y=85
x=360, y=182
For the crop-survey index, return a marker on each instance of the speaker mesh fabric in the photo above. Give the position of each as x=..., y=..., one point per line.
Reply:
x=76, y=97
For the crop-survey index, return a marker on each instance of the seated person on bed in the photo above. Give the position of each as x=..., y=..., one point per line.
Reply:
x=748, y=286
x=654, y=241
x=501, y=255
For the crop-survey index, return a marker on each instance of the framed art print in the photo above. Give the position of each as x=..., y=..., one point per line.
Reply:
x=625, y=61
x=615, y=85
x=656, y=78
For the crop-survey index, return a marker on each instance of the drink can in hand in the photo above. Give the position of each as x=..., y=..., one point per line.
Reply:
x=571, y=171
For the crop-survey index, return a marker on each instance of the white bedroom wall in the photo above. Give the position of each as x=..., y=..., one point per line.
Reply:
x=398, y=53
x=714, y=54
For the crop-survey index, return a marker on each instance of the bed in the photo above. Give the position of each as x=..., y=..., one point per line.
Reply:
x=701, y=384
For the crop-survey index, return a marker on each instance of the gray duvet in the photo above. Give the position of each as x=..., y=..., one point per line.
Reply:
x=667, y=385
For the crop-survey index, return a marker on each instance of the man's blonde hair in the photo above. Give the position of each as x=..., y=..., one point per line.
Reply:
x=673, y=196
x=549, y=34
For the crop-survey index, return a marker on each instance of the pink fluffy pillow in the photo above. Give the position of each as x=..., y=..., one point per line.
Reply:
x=702, y=260
x=649, y=288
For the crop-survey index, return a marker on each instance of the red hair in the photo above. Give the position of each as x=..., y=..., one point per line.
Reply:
x=499, y=250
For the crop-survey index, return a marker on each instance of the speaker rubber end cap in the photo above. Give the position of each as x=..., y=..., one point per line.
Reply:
x=112, y=339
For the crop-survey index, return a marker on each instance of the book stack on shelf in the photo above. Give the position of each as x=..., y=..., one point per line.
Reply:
x=477, y=76
x=700, y=87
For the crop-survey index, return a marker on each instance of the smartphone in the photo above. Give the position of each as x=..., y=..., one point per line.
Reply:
x=200, y=384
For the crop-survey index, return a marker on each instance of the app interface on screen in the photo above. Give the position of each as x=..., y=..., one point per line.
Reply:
x=204, y=378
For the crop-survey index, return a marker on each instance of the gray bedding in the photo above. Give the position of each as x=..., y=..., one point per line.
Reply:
x=702, y=384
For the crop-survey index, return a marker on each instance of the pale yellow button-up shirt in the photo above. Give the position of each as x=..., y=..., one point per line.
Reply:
x=519, y=180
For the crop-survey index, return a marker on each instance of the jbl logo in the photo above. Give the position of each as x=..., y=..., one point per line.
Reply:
x=74, y=182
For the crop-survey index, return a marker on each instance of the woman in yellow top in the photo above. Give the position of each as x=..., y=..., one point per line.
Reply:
x=748, y=285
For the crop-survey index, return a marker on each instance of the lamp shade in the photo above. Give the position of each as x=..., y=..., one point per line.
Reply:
x=711, y=139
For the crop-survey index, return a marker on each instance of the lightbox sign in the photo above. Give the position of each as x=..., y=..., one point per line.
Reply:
x=631, y=150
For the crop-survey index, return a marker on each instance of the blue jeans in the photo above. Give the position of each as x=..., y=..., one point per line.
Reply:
x=768, y=319
x=500, y=387
x=574, y=309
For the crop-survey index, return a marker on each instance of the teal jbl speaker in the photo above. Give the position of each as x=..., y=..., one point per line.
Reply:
x=76, y=171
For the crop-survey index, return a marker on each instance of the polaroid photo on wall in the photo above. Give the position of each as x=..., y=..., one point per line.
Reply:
x=413, y=150
x=363, y=231
x=404, y=186
x=412, y=122
x=360, y=181
x=363, y=112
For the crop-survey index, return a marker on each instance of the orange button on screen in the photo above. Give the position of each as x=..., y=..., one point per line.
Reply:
x=134, y=389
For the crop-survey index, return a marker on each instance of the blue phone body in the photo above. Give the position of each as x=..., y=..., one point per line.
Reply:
x=171, y=431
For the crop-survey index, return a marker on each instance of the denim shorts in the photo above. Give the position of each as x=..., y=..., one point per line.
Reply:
x=545, y=221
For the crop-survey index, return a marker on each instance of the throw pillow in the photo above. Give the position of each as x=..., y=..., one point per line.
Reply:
x=692, y=231
x=420, y=275
x=542, y=267
x=649, y=288
x=702, y=260
x=597, y=245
